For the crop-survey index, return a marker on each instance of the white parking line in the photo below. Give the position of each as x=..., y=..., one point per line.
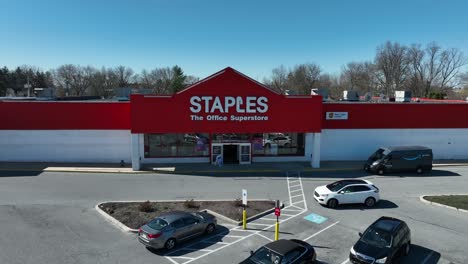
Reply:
x=296, y=195
x=198, y=249
x=298, y=211
x=293, y=186
x=230, y=236
x=427, y=258
x=321, y=231
x=344, y=262
x=182, y=257
x=265, y=237
x=258, y=224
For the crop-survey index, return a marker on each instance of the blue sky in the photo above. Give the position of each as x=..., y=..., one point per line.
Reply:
x=205, y=36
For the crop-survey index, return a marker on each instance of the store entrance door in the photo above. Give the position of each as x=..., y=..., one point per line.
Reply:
x=230, y=153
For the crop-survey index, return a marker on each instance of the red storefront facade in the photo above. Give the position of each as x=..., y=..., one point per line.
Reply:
x=226, y=114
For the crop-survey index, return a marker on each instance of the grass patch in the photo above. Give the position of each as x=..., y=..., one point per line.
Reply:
x=457, y=201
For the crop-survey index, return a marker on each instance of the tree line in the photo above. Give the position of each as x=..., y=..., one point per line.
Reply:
x=76, y=80
x=426, y=71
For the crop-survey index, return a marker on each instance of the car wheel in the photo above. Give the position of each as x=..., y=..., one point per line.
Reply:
x=332, y=203
x=370, y=201
x=380, y=171
x=170, y=244
x=210, y=229
x=419, y=170
x=407, y=248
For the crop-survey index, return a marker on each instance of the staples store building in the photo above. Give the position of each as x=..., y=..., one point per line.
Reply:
x=225, y=114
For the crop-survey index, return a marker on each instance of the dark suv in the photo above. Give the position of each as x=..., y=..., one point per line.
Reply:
x=382, y=242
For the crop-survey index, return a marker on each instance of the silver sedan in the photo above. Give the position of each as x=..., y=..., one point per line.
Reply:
x=171, y=228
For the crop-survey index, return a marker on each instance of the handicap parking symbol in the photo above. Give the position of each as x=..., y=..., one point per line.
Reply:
x=315, y=218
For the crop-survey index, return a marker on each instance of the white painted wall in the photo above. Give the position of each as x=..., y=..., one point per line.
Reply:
x=358, y=144
x=65, y=145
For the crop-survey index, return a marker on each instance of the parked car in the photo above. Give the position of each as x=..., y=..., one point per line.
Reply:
x=169, y=229
x=383, y=241
x=283, y=251
x=281, y=141
x=351, y=191
x=403, y=158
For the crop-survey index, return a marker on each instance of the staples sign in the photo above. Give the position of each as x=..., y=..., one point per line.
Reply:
x=229, y=108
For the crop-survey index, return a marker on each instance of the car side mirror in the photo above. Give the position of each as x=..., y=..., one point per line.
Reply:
x=251, y=252
x=360, y=234
x=341, y=192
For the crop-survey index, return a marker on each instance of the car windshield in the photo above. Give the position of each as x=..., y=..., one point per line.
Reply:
x=266, y=256
x=157, y=224
x=336, y=186
x=377, y=237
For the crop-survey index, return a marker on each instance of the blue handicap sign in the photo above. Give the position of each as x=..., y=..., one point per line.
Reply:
x=315, y=218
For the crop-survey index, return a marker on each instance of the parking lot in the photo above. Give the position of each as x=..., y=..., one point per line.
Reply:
x=49, y=217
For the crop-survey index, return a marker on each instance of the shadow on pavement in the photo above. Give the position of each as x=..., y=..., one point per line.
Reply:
x=193, y=245
x=382, y=204
x=433, y=173
x=419, y=254
x=17, y=173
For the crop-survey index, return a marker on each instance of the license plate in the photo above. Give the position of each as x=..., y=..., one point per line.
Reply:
x=143, y=235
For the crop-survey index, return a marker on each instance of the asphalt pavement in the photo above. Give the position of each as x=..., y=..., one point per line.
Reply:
x=49, y=217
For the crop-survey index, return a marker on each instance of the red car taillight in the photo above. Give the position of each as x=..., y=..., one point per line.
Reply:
x=154, y=235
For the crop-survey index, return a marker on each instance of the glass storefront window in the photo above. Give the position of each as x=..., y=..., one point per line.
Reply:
x=177, y=145
x=198, y=144
x=278, y=144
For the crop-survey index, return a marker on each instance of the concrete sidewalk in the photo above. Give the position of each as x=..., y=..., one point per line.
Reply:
x=198, y=168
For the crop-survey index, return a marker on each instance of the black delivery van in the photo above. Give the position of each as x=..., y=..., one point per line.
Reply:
x=400, y=158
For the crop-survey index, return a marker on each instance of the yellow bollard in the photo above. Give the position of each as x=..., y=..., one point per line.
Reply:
x=244, y=219
x=277, y=231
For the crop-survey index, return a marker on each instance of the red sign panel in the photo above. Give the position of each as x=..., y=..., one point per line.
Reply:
x=277, y=211
x=226, y=102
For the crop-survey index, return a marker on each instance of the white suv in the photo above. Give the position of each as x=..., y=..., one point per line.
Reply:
x=351, y=191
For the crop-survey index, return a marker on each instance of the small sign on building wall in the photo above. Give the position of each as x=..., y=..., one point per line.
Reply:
x=336, y=116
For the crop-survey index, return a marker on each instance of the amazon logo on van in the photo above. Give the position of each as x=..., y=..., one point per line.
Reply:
x=412, y=158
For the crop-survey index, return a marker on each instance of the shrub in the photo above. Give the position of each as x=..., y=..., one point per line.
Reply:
x=146, y=207
x=191, y=204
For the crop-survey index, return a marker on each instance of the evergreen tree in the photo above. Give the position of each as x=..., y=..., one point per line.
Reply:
x=178, y=82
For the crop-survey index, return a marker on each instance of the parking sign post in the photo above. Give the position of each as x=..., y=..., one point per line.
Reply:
x=277, y=213
x=244, y=212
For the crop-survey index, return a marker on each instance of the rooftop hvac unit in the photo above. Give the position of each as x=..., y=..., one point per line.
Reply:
x=350, y=95
x=322, y=92
x=402, y=96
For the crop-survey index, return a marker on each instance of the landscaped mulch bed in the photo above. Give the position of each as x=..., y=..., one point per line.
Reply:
x=457, y=201
x=135, y=214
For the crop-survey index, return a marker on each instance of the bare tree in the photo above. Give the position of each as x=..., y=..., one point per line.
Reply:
x=104, y=82
x=304, y=77
x=279, y=79
x=124, y=75
x=392, y=64
x=76, y=80
x=360, y=76
x=452, y=60
x=159, y=79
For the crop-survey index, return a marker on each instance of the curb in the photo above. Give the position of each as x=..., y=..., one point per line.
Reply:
x=114, y=221
x=421, y=198
x=127, y=229
x=249, y=219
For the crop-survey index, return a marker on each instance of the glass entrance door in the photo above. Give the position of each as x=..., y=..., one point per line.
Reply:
x=245, y=153
x=216, y=153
